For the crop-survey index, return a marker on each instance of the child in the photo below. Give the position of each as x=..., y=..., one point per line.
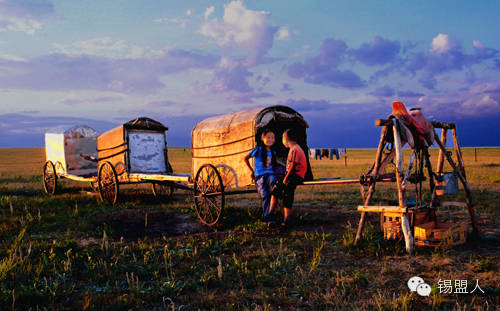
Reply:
x=265, y=162
x=296, y=168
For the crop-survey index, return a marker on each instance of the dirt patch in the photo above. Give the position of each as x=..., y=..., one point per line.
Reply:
x=137, y=223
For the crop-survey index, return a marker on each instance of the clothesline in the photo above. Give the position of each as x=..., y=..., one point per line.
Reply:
x=327, y=152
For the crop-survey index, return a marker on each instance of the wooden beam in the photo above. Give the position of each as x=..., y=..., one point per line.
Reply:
x=383, y=122
x=159, y=177
x=382, y=209
x=371, y=188
x=456, y=204
x=443, y=125
x=440, y=164
x=458, y=152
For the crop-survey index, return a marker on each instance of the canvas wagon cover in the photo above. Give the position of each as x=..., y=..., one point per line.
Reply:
x=223, y=141
x=63, y=146
x=138, y=146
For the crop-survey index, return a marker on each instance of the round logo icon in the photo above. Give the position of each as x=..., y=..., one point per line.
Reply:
x=414, y=282
x=424, y=289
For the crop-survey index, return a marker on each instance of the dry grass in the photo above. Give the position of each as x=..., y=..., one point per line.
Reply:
x=67, y=252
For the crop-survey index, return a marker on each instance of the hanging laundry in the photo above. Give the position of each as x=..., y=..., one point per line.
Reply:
x=334, y=151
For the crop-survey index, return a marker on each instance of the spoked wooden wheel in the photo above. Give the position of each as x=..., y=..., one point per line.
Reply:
x=108, y=183
x=94, y=185
x=162, y=190
x=59, y=168
x=208, y=194
x=49, y=178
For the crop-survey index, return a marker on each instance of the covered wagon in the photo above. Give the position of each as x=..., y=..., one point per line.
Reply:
x=135, y=152
x=218, y=148
x=64, y=150
x=223, y=141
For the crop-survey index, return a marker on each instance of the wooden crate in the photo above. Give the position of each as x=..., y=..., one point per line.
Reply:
x=422, y=215
x=445, y=234
x=391, y=225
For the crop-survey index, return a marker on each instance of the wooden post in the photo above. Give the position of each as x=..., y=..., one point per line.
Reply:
x=405, y=225
x=371, y=188
x=468, y=192
x=345, y=156
x=458, y=152
x=475, y=154
x=405, y=221
x=439, y=169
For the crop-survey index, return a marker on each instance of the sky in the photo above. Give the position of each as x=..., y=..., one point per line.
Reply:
x=339, y=63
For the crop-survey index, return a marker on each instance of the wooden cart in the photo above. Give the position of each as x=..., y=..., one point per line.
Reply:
x=136, y=152
x=218, y=148
x=63, y=149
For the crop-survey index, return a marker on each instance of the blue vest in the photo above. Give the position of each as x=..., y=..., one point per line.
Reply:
x=262, y=168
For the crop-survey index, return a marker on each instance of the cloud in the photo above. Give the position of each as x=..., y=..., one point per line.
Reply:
x=242, y=28
x=481, y=99
x=23, y=130
x=379, y=51
x=90, y=72
x=286, y=87
x=209, y=12
x=10, y=57
x=442, y=43
x=283, y=34
x=446, y=55
x=307, y=105
x=485, y=104
x=161, y=104
x=180, y=21
x=24, y=15
x=383, y=91
x=105, y=46
x=231, y=77
x=409, y=94
x=245, y=98
x=323, y=68
x=74, y=101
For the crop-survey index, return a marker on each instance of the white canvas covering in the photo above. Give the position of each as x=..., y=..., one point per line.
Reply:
x=63, y=146
x=147, y=152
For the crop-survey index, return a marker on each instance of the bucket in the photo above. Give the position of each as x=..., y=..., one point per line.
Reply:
x=448, y=184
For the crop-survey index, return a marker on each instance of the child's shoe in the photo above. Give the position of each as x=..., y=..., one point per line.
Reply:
x=286, y=224
x=268, y=217
x=271, y=224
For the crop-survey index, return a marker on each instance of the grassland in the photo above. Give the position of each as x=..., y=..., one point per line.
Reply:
x=71, y=252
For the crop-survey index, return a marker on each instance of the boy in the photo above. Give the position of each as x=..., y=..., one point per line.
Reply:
x=296, y=168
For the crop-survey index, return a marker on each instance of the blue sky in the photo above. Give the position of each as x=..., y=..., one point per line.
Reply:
x=339, y=63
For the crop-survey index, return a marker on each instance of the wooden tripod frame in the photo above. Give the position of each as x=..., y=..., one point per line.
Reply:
x=405, y=213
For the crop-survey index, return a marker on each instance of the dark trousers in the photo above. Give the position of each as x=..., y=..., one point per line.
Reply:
x=264, y=184
x=289, y=190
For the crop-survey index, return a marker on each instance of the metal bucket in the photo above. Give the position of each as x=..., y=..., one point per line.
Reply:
x=449, y=184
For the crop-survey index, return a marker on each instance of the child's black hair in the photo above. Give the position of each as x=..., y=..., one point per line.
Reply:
x=291, y=134
x=263, y=150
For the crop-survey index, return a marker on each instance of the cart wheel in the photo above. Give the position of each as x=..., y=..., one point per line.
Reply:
x=94, y=185
x=108, y=183
x=161, y=190
x=208, y=194
x=49, y=178
x=59, y=168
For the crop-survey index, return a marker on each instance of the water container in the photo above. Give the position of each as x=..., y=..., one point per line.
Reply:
x=449, y=184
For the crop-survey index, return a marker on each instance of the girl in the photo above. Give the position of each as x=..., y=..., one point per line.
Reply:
x=264, y=176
